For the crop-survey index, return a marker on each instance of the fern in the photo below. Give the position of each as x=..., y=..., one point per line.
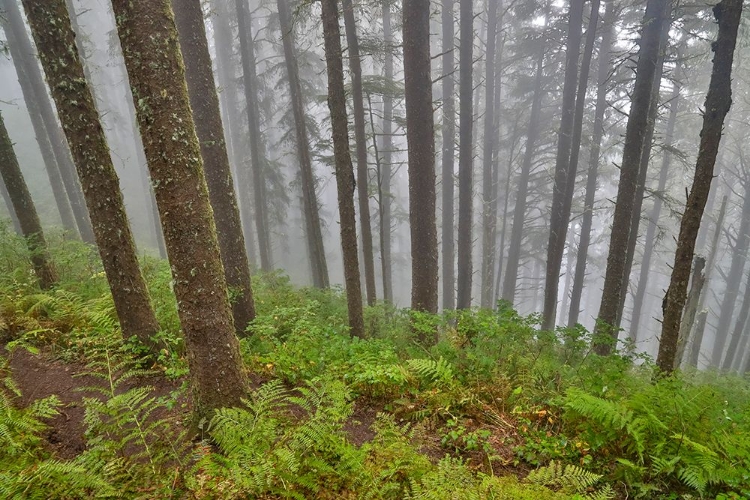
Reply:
x=439, y=373
x=569, y=477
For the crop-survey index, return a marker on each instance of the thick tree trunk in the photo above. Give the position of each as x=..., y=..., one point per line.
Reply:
x=420, y=138
x=155, y=68
x=384, y=180
x=448, y=154
x=610, y=16
x=360, y=137
x=718, y=102
x=80, y=121
x=564, y=170
x=657, y=14
x=257, y=155
x=204, y=103
x=700, y=325
x=310, y=212
x=489, y=182
x=23, y=206
x=519, y=212
x=653, y=224
x=465, y=156
x=343, y=161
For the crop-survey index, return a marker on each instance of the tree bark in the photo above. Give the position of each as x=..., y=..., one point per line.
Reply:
x=564, y=170
x=11, y=211
x=519, y=212
x=155, y=68
x=204, y=103
x=23, y=207
x=360, y=137
x=448, y=155
x=610, y=16
x=384, y=181
x=310, y=212
x=420, y=138
x=653, y=224
x=55, y=41
x=657, y=14
x=257, y=156
x=489, y=198
x=465, y=156
x=718, y=102
x=691, y=308
x=343, y=162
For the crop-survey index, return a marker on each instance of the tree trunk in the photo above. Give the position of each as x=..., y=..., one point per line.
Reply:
x=564, y=170
x=739, y=328
x=610, y=16
x=657, y=13
x=519, y=212
x=448, y=155
x=360, y=137
x=700, y=326
x=316, y=250
x=11, y=211
x=343, y=162
x=257, y=156
x=204, y=103
x=420, y=138
x=465, y=156
x=489, y=198
x=384, y=181
x=80, y=120
x=155, y=68
x=23, y=206
x=653, y=224
x=691, y=308
x=718, y=102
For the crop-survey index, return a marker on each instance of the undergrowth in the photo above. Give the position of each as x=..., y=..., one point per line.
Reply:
x=495, y=409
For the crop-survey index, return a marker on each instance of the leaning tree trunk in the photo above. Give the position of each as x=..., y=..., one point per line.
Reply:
x=718, y=102
x=465, y=156
x=489, y=201
x=564, y=172
x=310, y=211
x=80, y=121
x=11, y=211
x=420, y=138
x=739, y=328
x=448, y=155
x=610, y=16
x=155, y=68
x=204, y=103
x=657, y=14
x=257, y=156
x=23, y=206
x=360, y=137
x=384, y=181
x=691, y=308
x=343, y=162
x=519, y=212
x=650, y=240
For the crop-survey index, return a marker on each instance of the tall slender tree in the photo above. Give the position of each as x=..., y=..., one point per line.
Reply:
x=420, y=138
x=448, y=154
x=343, y=161
x=718, y=102
x=384, y=181
x=155, y=69
x=310, y=212
x=204, y=103
x=257, y=155
x=23, y=206
x=465, y=155
x=360, y=137
x=55, y=42
x=657, y=13
x=564, y=172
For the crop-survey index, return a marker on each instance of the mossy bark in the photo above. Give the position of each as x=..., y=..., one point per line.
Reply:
x=24, y=207
x=420, y=138
x=343, y=161
x=157, y=78
x=55, y=41
x=207, y=117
